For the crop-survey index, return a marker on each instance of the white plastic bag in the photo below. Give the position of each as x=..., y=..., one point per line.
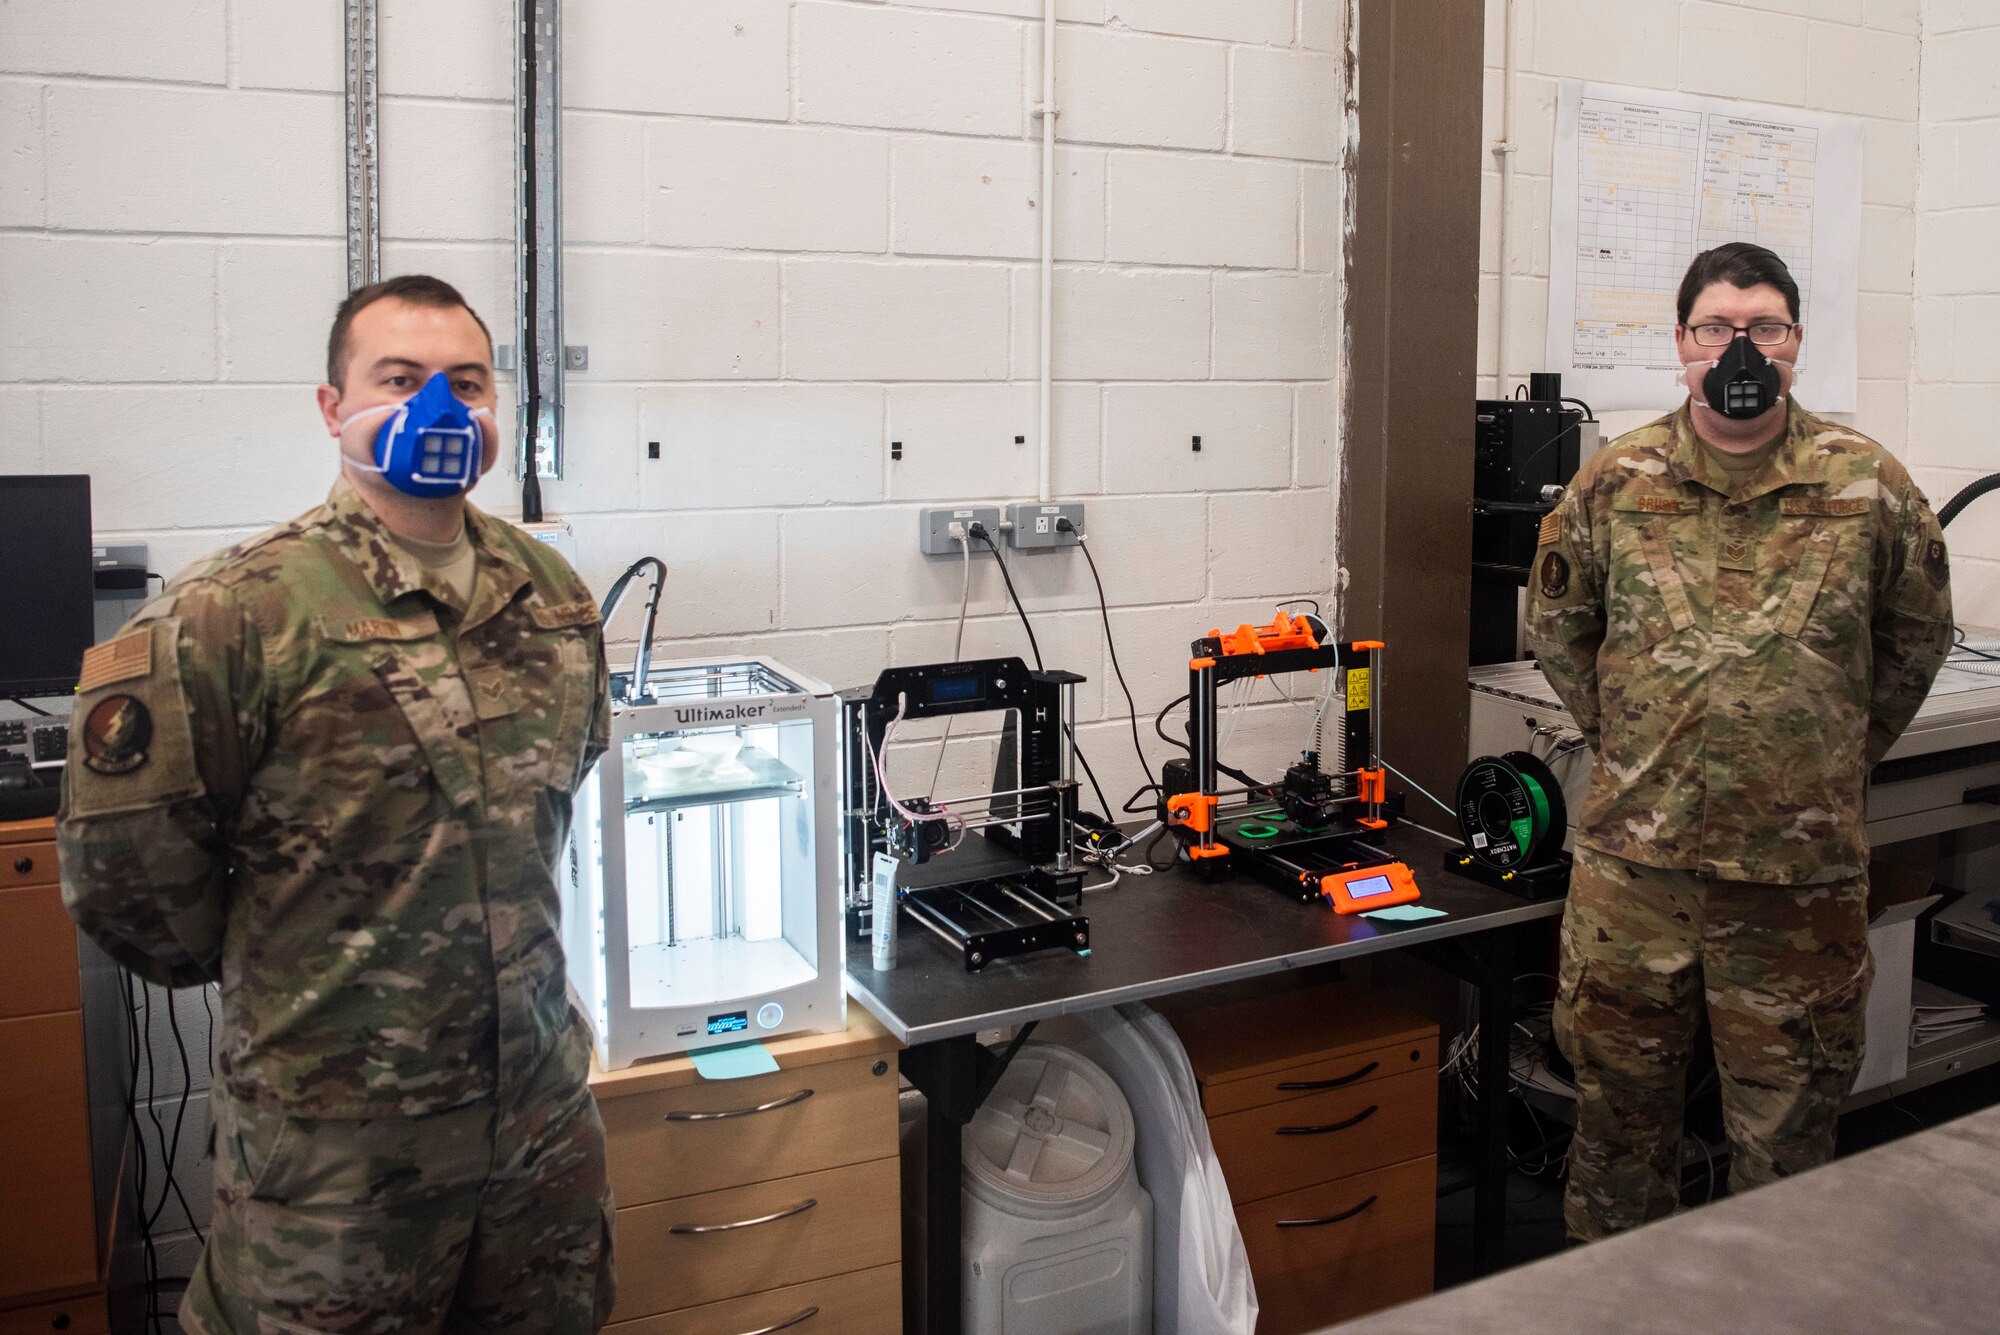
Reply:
x=1201, y=1273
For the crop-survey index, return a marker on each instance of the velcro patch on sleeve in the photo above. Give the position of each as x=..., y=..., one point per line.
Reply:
x=1823, y=505
x=583, y=612
x=126, y=658
x=1551, y=530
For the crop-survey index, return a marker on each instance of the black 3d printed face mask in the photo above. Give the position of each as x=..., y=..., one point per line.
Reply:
x=1742, y=383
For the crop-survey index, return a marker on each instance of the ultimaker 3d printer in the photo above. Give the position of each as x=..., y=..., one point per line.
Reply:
x=702, y=892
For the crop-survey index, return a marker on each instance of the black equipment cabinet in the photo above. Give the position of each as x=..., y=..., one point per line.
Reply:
x=1520, y=448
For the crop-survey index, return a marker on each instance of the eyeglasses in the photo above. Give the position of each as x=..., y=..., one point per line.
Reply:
x=1767, y=333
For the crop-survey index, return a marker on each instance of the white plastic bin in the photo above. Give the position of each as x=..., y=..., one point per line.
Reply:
x=1058, y=1231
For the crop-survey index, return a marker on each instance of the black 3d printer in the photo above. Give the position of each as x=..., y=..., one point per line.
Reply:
x=904, y=852
x=1525, y=451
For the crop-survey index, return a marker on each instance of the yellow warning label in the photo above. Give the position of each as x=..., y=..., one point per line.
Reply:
x=1358, y=695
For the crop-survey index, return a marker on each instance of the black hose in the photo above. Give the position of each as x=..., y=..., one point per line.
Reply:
x=1971, y=492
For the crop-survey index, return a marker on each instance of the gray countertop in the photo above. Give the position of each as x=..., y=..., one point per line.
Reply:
x=1165, y=933
x=1903, y=1238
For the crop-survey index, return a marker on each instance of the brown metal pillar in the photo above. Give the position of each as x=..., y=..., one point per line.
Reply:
x=1411, y=337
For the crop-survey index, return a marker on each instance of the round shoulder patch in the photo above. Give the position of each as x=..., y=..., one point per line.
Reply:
x=1555, y=575
x=116, y=735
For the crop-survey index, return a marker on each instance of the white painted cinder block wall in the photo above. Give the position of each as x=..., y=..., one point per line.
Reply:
x=1921, y=74
x=1955, y=383
x=1853, y=57
x=798, y=230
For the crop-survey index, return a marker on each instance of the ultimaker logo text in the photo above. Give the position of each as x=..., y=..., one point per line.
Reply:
x=704, y=714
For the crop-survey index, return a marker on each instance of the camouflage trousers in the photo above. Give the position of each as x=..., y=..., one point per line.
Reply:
x=1784, y=974
x=484, y=1218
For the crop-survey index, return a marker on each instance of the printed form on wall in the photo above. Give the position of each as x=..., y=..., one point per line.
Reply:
x=1645, y=181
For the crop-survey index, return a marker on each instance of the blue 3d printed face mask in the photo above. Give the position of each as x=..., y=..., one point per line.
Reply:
x=432, y=445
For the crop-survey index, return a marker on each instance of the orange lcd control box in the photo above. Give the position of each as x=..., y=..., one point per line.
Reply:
x=1367, y=888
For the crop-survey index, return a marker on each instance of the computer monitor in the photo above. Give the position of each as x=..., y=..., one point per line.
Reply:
x=47, y=616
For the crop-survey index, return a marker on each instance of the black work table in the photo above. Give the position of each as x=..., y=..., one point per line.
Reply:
x=1170, y=932
x=1899, y=1238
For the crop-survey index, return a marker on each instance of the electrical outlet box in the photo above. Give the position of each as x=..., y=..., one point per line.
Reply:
x=1035, y=524
x=934, y=527
x=557, y=534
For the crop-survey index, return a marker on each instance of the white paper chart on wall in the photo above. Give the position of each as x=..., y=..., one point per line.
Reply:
x=1645, y=181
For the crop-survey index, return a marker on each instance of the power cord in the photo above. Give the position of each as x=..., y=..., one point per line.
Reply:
x=979, y=531
x=957, y=652
x=1063, y=525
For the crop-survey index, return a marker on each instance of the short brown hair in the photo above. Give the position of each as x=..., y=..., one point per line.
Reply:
x=1739, y=264
x=418, y=289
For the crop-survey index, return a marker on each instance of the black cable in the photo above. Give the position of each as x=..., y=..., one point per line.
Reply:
x=1971, y=492
x=979, y=531
x=1958, y=643
x=209, y=1010
x=1314, y=601
x=170, y=1153
x=1588, y=415
x=1084, y=761
x=154, y=574
x=1159, y=725
x=31, y=708
x=140, y=1174
x=1104, y=612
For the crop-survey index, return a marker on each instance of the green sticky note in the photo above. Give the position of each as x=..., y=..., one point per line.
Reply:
x=1405, y=913
x=734, y=1062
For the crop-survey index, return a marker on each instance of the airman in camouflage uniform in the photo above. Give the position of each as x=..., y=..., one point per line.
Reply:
x=1739, y=656
x=319, y=772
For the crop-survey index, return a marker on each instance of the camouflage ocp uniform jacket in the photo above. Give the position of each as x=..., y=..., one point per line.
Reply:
x=1739, y=663
x=310, y=771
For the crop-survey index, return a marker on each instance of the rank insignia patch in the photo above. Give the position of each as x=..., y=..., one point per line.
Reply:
x=116, y=735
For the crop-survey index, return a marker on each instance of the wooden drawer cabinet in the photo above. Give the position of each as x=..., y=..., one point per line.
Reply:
x=696, y=1138
x=1270, y=1150
x=759, y=1205
x=1221, y=1097
x=1322, y=1104
x=38, y=967
x=865, y=1302
x=1335, y=1251
x=52, y=1248
x=72, y=1316
x=28, y=863
x=47, y=1210
x=701, y=1249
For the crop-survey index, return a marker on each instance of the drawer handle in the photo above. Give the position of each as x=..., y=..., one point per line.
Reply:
x=786, y=1324
x=1355, y=1120
x=798, y=1209
x=1335, y=1083
x=24, y=865
x=772, y=1106
x=1330, y=1219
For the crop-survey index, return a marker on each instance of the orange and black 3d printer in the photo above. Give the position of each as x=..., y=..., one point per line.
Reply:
x=1309, y=834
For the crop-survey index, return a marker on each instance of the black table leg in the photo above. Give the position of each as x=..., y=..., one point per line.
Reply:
x=955, y=1076
x=1494, y=957
x=1488, y=962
